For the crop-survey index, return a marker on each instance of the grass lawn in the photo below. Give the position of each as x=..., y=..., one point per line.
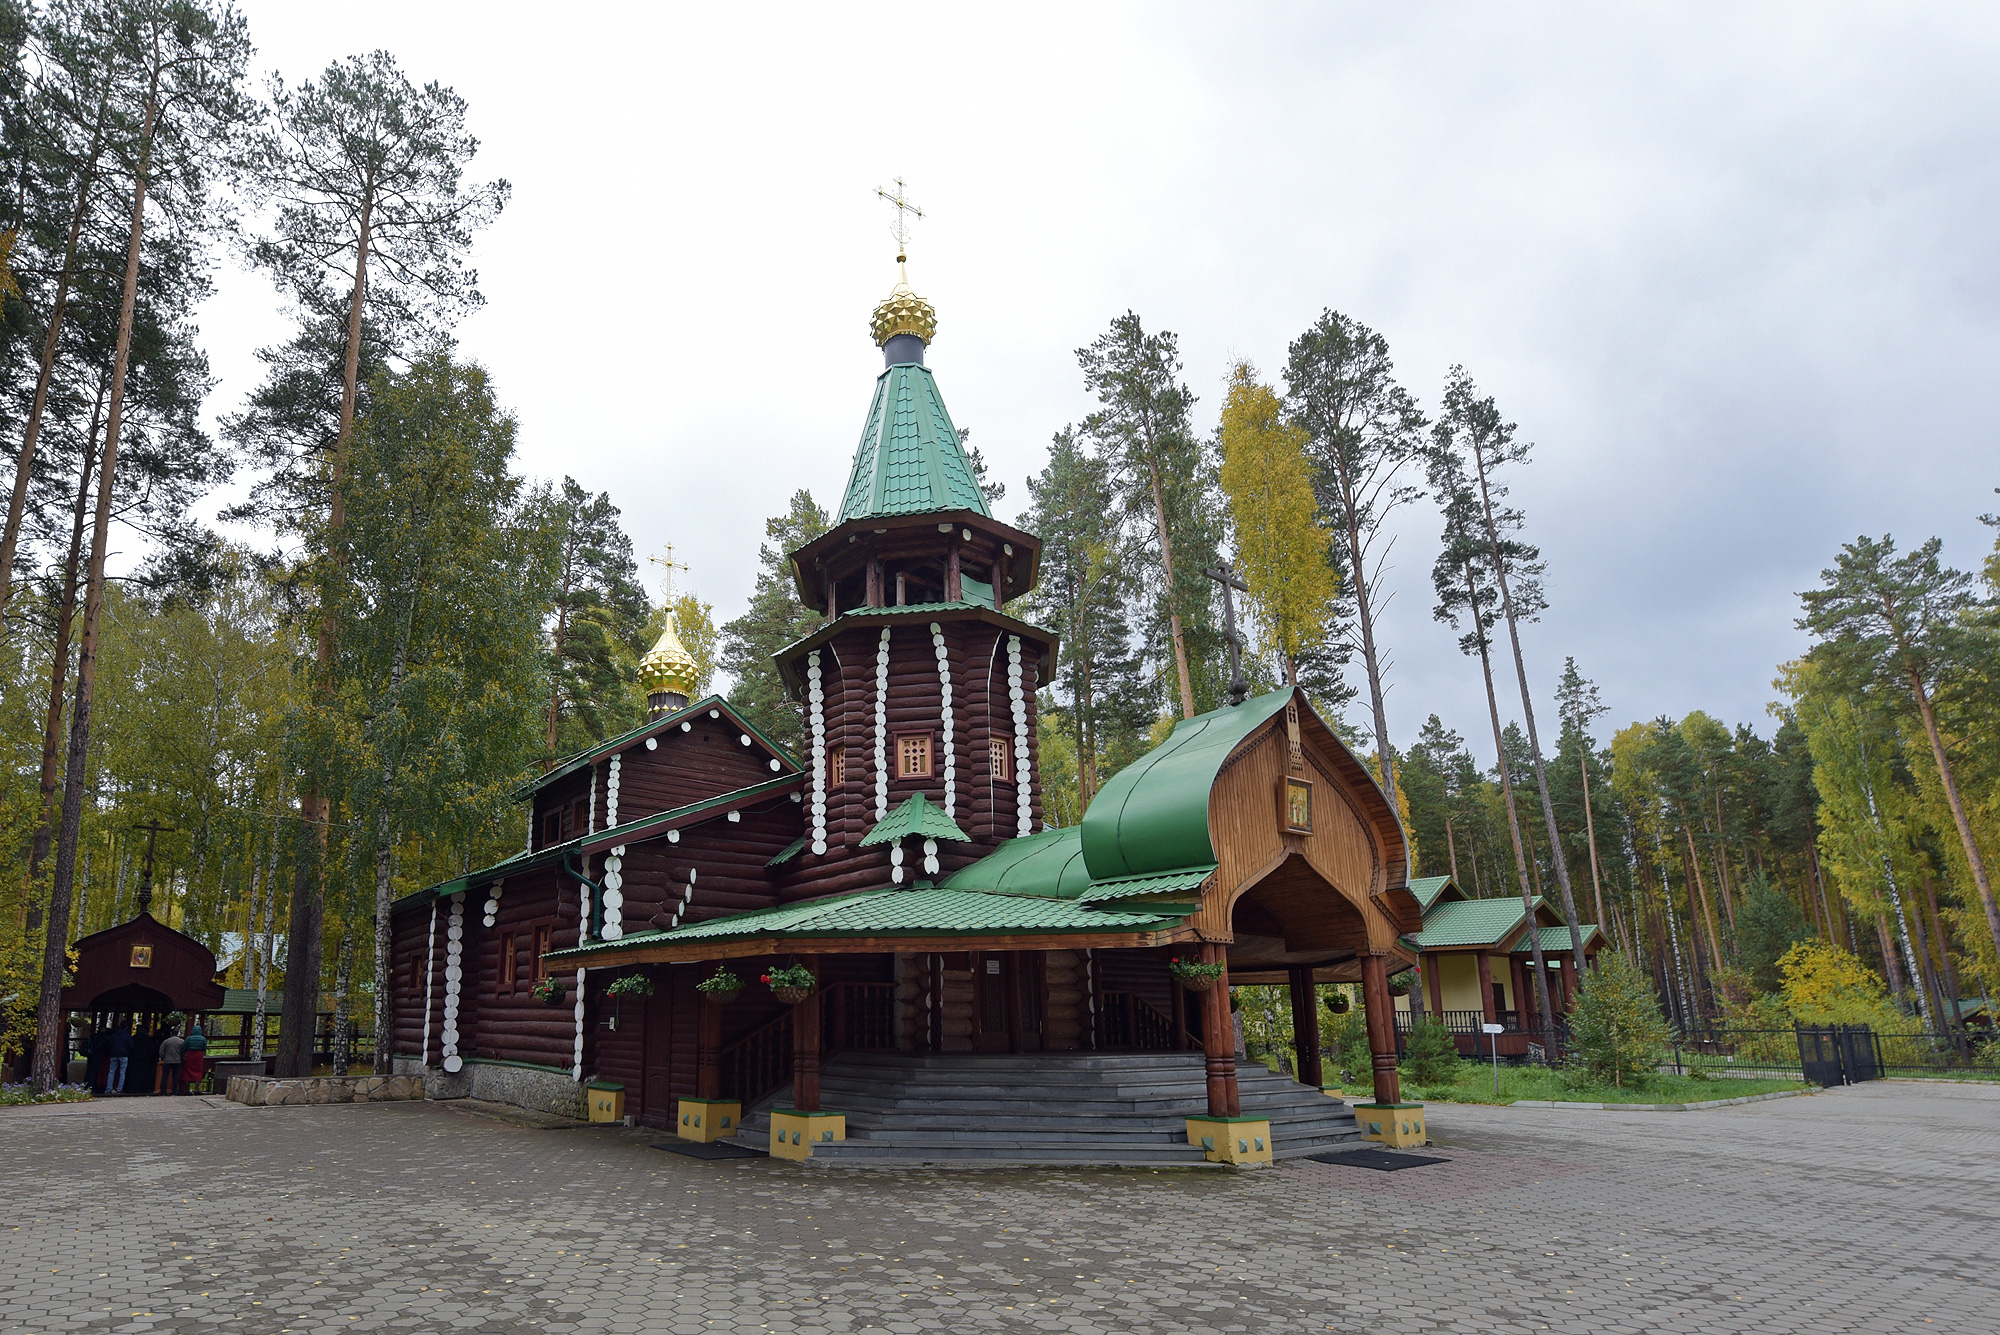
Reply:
x=1474, y=1084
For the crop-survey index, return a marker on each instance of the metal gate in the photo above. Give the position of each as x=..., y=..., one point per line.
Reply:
x=1838, y=1054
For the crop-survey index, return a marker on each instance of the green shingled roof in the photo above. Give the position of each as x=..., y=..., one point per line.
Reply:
x=1471, y=922
x=909, y=460
x=915, y=819
x=1132, y=887
x=1427, y=889
x=1557, y=938
x=1152, y=816
x=922, y=910
x=1048, y=865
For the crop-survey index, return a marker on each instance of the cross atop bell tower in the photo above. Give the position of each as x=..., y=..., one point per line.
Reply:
x=905, y=210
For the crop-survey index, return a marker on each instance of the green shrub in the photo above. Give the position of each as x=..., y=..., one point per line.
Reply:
x=1430, y=1056
x=1350, y=1047
x=1616, y=1028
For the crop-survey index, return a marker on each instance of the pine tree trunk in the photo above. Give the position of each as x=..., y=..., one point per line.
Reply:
x=1590, y=833
x=1513, y=821
x=1974, y=859
x=50, y=1039
x=1173, y=595
x=1528, y=711
x=1365, y=615
x=52, y=733
x=384, y=869
x=1716, y=960
x=51, y=346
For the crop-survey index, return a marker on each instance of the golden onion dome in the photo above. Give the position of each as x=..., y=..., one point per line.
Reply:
x=903, y=312
x=668, y=668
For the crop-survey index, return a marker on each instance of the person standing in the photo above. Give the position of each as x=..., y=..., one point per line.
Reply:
x=194, y=1057
x=172, y=1048
x=117, y=1055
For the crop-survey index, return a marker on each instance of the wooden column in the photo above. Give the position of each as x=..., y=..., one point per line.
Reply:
x=874, y=583
x=1305, y=1027
x=1218, y=1040
x=1521, y=990
x=1569, y=981
x=805, y=1046
x=1434, y=972
x=1381, y=1027
x=1486, y=986
x=952, y=587
x=707, y=1049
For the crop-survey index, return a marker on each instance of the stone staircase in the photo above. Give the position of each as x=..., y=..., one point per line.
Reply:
x=1083, y=1108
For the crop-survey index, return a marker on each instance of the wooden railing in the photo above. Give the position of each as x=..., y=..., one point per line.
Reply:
x=758, y=1062
x=858, y=1016
x=1128, y=1020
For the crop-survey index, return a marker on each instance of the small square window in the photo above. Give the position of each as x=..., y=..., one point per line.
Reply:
x=836, y=767
x=913, y=755
x=1000, y=755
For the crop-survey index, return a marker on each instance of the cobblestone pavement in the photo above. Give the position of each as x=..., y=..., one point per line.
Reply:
x=1855, y=1210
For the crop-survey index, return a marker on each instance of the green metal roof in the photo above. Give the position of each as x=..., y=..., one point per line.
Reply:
x=1048, y=865
x=1428, y=888
x=1132, y=887
x=243, y=1001
x=1471, y=922
x=1557, y=939
x=923, y=910
x=791, y=850
x=915, y=819
x=1152, y=816
x=909, y=460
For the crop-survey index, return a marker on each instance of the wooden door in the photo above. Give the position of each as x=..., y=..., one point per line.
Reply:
x=992, y=979
x=656, y=1093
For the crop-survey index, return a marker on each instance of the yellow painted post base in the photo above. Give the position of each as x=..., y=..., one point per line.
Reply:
x=1239, y=1140
x=794, y=1133
x=607, y=1101
x=1394, y=1124
x=709, y=1119
x=1331, y=1091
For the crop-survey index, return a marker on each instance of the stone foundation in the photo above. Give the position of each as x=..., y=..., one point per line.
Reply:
x=522, y=1086
x=273, y=1092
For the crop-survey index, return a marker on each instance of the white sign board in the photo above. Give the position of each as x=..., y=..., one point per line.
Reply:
x=1492, y=1028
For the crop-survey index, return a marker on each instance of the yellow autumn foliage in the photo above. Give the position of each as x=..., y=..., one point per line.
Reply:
x=1281, y=546
x=1823, y=984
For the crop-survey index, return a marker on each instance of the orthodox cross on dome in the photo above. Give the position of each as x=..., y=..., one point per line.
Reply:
x=670, y=565
x=904, y=210
x=1239, y=689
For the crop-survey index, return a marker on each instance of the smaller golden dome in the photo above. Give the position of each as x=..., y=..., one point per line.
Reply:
x=668, y=668
x=903, y=312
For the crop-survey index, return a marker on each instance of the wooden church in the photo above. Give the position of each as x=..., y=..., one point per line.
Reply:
x=876, y=951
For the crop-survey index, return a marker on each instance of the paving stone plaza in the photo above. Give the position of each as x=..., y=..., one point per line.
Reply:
x=1860, y=1209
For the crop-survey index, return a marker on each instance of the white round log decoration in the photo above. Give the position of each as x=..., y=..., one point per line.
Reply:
x=454, y=1064
x=735, y=817
x=652, y=743
x=686, y=726
x=745, y=739
x=774, y=763
x=715, y=713
x=673, y=836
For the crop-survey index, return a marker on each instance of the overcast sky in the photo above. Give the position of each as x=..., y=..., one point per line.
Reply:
x=1731, y=268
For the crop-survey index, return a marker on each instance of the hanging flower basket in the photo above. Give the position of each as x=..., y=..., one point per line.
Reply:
x=1338, y=1003
x=631, y=985
x=1194, y=975
x=550, y=991
x=721, y=987
x=791, y=984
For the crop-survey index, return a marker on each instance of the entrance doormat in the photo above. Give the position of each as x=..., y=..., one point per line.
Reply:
x=714, y=1149
x=1381, y=1160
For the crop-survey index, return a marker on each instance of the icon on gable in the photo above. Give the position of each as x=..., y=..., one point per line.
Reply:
x=142, y=957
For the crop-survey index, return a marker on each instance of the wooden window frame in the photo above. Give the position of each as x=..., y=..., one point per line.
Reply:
x=836, y=767
x=544, y=939
x=508, y=976
x=1000, y=757
x=929, y=741
x=551, y=828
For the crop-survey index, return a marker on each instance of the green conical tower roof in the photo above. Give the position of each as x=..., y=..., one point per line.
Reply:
x=909, y=460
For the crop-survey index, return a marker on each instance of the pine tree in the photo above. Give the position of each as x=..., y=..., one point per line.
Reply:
x=596, y=622
x=775, y=619
x=1365, y=430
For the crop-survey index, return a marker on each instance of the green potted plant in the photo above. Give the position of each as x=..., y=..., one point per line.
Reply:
x=791, y=984
x=721, y=987
x=631, y=985
x=1194, y=975
x=550, y=991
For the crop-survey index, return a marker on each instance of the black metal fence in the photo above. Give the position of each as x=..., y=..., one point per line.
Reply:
x=1835, y=1054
